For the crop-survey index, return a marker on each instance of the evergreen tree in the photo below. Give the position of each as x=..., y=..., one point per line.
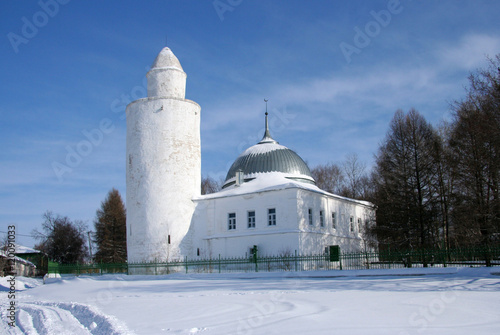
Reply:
x=110, y=230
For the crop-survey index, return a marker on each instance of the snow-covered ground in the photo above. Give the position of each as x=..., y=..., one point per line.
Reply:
x=405, y=301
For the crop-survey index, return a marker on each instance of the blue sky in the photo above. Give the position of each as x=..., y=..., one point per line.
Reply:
x=334, y=73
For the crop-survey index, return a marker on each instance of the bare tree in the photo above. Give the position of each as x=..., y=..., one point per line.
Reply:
x=328, y=177
x=475, y=155
x=210, y=185
x=445, y=180
x=355, y=177
x=405, y=179
x=4, y=243
x=62, y=240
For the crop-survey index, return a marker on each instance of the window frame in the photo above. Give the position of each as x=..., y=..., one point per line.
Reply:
x=231, y=221
x=251, y=220
x=271, y=217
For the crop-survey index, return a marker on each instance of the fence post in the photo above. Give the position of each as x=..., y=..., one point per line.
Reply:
x=487, y=257
x=295, y=260
x=219, y=263
x=340, y=259
x=186, y=262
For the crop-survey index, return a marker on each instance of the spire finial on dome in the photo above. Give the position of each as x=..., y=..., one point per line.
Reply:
x=267, y=135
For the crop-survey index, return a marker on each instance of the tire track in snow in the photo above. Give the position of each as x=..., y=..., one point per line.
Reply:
x=25, y=323
x=47, y=318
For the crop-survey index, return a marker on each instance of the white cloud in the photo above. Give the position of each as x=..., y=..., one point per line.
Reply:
x=357, y=104
x=470, y=52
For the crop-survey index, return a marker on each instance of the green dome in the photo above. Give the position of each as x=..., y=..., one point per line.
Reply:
x=269, y=156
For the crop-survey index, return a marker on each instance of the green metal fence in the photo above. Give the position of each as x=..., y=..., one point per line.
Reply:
x=333, y=260
x=91, y=269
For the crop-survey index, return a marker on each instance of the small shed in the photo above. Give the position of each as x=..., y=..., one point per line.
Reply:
x=19, y=266
x=36, y=257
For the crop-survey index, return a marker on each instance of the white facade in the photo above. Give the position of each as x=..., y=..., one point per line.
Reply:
x=269, y=199
x=334, y=220
x=163, y=163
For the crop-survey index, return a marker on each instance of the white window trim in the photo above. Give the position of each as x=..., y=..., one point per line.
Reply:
x=231, y=221
x=271, y=217
x=248, y=219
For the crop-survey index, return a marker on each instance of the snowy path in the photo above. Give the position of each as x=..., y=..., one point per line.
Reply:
x=411, y=301
x=47, y=318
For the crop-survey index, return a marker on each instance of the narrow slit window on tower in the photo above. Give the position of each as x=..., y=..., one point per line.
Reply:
x=310, y=216
x=321, y=219
x=231, y=221
x=334, y=221
x=168, y=239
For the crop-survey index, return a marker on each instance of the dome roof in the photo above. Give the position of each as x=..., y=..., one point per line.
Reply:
x=166, y=59
x=269, y=156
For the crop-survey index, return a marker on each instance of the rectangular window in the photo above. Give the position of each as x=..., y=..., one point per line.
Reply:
x=359, y=224
x=251, y=219
x=321, y=219
x=334, y=221
x=351, y=224
x=310, y=216
x=231, y=221
x=271, y=216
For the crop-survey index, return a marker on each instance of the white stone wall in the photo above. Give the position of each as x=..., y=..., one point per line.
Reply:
x=166, y=82
x=318, y=237
x=163, y=168
x=209, y=229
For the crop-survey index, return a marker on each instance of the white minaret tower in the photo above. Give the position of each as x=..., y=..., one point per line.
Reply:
x=163, y=164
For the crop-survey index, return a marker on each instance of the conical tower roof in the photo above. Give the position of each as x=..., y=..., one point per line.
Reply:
x=166, y=59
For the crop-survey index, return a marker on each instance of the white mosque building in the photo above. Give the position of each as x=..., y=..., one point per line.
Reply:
x=269, y=199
